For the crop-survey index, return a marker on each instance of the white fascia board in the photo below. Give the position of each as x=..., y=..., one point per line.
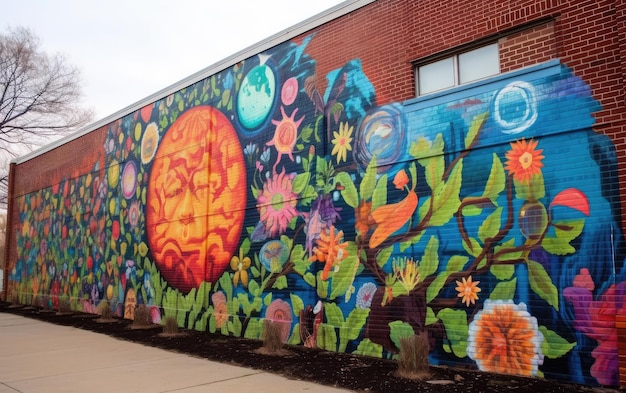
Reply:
x=306, y=25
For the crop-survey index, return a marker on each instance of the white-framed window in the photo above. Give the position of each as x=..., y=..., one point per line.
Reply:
x=457, y=69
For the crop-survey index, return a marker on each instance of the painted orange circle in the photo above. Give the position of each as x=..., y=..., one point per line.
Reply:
x=196, y=198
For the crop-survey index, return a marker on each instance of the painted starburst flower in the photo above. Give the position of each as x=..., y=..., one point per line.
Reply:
x=341, y=142
x=524, y=160
x=330, y=250
x=286, y=134
x=277, y=203
x=240, y=265
x=468, y=290
x=280, y=311
x=504, y=338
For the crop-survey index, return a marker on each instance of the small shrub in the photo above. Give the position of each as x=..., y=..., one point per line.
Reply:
x=105, y=310
x=64, y=307
x=142, y=316
x=272, y=336
x=170, y=326
x=413, y=359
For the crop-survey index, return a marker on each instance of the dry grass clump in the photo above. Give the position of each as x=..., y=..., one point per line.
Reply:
x=272, y=339
x=170, y=327
x=413, y=359
x=105, y=311
x=64, y=307
x=142, y=317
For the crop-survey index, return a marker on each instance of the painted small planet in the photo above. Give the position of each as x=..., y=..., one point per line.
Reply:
x=273, y=255
x=380, y=134
x=255, y=97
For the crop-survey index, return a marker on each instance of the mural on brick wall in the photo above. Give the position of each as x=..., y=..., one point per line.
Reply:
x=487, y=218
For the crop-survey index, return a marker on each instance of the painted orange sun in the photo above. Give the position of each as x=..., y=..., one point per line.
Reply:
x=196, y=198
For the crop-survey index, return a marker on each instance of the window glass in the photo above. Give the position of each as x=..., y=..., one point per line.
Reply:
x=479, y=63
x=436, y=76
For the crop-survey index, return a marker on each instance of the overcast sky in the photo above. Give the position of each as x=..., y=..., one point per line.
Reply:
x=127, y=50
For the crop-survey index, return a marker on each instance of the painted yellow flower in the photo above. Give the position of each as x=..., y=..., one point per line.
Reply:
x=240, y=265
x=468, y=290
x=524, y=160
x=407, y=273
x=341, y=142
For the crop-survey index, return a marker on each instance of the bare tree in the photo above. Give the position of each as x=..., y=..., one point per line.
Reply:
x=39, y=97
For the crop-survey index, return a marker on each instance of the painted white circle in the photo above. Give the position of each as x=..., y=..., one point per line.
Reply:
x=515, y=107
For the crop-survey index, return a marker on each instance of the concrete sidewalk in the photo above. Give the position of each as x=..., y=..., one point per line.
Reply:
x=37, y=356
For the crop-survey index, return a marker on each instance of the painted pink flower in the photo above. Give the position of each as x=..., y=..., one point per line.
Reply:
x=596, y=319
x=280, y=311
x=277, y=203
x=285, y=135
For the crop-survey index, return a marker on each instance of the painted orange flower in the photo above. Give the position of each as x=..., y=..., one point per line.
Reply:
x=400, y=180
x=468, y=290
x=341, y=142
x=330, y=250
x=240, y=265
x=524, y=160
x=504, y=338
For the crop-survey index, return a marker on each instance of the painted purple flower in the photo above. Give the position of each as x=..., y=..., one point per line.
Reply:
x=596, y=319
x=322, y=216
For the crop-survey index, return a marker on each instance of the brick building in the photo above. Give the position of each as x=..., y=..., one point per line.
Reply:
x=386, y=168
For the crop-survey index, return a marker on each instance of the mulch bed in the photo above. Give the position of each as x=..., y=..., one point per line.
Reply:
x=352, y=372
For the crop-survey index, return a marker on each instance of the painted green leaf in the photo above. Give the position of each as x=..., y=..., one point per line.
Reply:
x=253, y=330
x=456, y=263
x=300, y=182
x=497, y=179
x=433, y=289
x=268, y=299
x=343, y=278
x=309, y=278
x=433, y=170
x=368, y=348
x=565, y=232
x=507, y=256
x=326, y=337
x=413, y=173
x=504, y=290
x=455, y=322
x=474, y=248
x=471, y=211
x=541, y=284
x=334, y=315
x=280, y=283
x=297, y=304
x=554, y=346
x=379, y=197
x=535, y=190
x=430, y=261
x=430, y=317
x=477, y=123
x=294, y=339
x=400, y=330
x=348, y=193
x=352, y=328
x=366, y=188
x=420, y=149
x=253, y=288
x=383, y=256
x=490, y=227
x=502, y=272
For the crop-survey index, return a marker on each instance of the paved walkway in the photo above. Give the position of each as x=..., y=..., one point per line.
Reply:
x=37, y=356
